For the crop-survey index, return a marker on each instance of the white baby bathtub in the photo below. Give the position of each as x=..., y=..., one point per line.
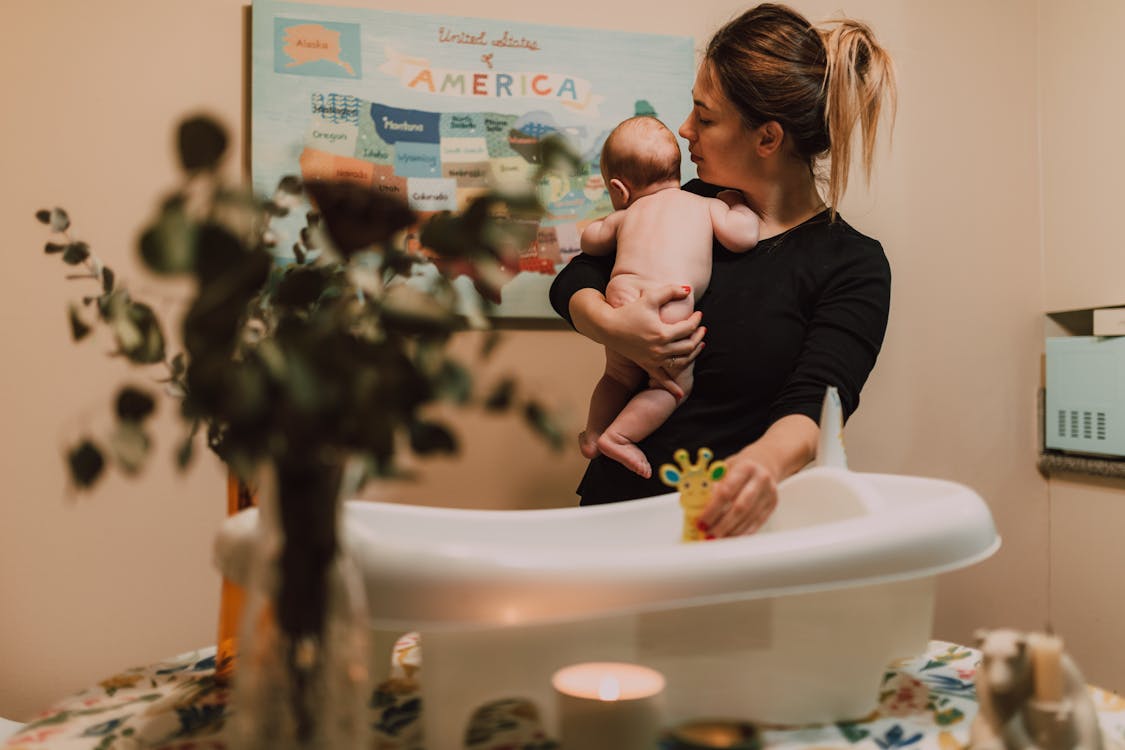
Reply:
x=793, y=625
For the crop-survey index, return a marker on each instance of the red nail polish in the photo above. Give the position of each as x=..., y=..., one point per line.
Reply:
x=709, y=537
x=701, y=524
x=686, y=288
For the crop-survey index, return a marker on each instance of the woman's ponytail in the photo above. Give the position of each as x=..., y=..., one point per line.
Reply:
x=858, y=78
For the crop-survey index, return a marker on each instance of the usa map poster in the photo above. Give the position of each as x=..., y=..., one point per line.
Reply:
x=437, y=109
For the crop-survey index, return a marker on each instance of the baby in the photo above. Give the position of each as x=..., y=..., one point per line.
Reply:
x=663, y=236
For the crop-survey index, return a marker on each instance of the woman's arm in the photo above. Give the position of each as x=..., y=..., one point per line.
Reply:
x=636, y=331
x=842, y=341
x=582, y=272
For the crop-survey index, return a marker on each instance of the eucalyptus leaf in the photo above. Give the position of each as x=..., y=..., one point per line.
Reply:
x=558, y=156
x=169, y=245
x=365, y=279
x=431, y=438
x=202, y=142
x=454, y=382
x=135, y=327
x=58, y=220
x=134, y=405
x=357, y=217
x=230, y=277
x=489, y=343
x=43, y=215
x=138, y=334
x=130, y=446
x=185, y=452
x=510, y=236
x=107, y=280
x=442, y=235
x=151, y=349
x=489, y=276
x=52, y=248
x=521, y=205
x=308, y=238
x=411, y=311
x=290, y=184
x=248, y=395
x=501, y=396
x=273, y=209
x=78, y=327
x=543, y=423
x=304, y=387
x=302, y=286
x=86, y=464
x=272, y=358
x=218, y=251
x=75, y=253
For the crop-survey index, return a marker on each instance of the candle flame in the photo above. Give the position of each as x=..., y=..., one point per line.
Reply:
x=609, y=689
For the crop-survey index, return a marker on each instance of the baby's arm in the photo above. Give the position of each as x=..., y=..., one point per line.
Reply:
x=600, y=237
x=735, y=225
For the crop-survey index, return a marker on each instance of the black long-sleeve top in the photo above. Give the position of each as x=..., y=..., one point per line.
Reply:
x=801, y=311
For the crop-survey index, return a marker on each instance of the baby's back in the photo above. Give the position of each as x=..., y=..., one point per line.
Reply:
x=666, y=238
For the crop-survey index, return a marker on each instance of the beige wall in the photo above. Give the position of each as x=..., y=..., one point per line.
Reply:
x=123, y=577
x=1080, y=82
x=1081, y=61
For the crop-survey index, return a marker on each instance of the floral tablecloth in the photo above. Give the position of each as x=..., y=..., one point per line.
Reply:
x=926, y=703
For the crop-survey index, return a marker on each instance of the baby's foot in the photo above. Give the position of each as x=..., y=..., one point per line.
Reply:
x=588, y=443
x=625, y=452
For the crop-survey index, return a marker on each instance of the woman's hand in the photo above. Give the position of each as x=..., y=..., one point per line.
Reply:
x=636, y=331
x=746, y=496
x=742, y=500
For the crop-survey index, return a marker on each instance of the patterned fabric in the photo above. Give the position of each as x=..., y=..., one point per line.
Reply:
x=926, y=703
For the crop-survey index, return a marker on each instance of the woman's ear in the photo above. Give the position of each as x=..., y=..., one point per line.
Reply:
x=618, y=193
x=768, y=138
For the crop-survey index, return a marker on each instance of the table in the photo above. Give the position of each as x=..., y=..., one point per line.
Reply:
x=926, y=703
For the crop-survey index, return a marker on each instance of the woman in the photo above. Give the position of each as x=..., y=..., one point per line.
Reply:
x=805, y=309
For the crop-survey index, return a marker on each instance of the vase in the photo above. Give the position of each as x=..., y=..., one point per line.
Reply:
x=232, y=597
x=302, y=681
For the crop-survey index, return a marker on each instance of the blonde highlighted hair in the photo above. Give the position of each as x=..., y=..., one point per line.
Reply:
x=817, y=83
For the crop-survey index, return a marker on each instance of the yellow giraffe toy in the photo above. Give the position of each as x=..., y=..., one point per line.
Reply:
x=694, y=483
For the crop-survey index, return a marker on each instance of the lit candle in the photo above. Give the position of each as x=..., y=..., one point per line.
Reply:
x=1046, y=667
x=608, y=706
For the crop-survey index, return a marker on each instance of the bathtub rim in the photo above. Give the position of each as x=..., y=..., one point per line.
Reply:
x=804, y=555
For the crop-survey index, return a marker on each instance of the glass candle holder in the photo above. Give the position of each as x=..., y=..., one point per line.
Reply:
x=608, y=706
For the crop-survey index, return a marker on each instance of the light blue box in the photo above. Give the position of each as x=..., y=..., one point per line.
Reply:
x=1085, y=399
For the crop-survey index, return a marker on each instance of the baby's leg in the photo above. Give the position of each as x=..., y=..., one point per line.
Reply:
x=678, y=309
x=621, y=380
x=644, y=413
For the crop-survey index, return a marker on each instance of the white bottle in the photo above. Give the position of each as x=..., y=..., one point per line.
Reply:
x=830, y=446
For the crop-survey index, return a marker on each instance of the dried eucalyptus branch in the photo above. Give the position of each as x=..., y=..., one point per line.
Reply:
x=332, y=355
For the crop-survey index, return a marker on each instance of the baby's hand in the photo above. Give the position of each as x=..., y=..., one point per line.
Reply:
x=731, y=197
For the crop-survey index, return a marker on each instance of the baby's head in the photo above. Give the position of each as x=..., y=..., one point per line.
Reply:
x=640, y=153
